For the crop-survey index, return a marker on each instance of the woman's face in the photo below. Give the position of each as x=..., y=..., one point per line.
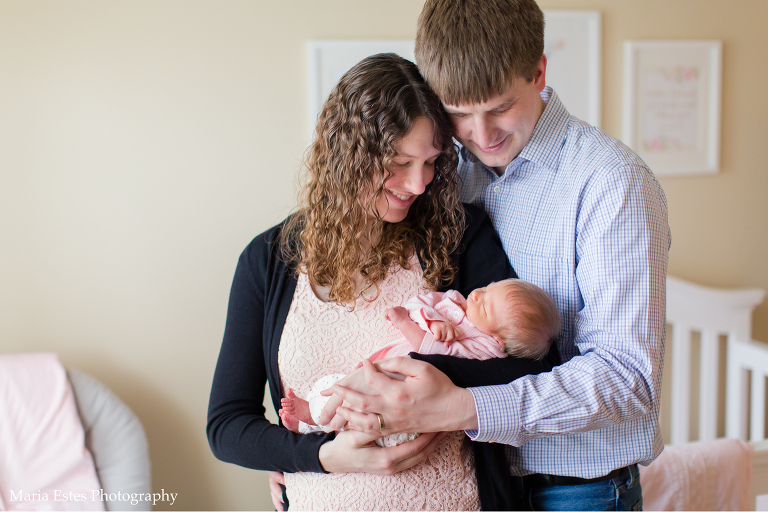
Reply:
x=412, y=168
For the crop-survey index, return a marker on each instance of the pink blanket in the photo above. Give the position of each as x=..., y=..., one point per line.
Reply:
x=704, y=475
x=44, y=464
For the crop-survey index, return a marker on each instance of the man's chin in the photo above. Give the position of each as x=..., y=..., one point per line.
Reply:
x=496, y=160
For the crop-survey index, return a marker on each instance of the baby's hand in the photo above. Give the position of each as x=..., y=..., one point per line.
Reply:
x=443, y=331
x=397, y=315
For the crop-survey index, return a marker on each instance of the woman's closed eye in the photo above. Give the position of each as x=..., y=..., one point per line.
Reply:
x=428, y=163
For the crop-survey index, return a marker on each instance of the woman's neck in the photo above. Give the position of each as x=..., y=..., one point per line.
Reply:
x=324, y=292
x=371, y=234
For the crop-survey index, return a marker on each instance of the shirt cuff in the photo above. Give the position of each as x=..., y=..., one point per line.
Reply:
x=497, y=419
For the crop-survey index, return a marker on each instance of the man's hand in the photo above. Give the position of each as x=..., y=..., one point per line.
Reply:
x=328, y=416
x=353, y=451
x=276, y=479
x=426, y=401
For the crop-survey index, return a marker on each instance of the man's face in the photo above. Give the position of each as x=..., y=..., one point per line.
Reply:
x=497, y=130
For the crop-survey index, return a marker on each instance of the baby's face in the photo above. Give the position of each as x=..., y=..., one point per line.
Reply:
x=486, y=305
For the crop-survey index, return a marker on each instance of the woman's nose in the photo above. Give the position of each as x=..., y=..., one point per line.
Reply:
x=416, y=180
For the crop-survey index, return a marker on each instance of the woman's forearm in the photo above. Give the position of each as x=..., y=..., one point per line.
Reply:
x=354, y=451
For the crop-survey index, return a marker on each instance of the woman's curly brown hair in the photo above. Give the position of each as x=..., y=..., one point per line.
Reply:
x=374, y=105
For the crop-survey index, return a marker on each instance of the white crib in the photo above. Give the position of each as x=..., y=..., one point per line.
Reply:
x=712, y=314
x=721, y=321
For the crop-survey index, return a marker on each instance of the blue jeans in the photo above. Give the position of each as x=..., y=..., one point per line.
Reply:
x=620, y=493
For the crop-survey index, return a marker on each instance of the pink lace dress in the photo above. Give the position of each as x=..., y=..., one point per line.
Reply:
x=320, y=338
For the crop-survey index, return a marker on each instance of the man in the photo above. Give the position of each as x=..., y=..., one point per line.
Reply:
x=580, y=215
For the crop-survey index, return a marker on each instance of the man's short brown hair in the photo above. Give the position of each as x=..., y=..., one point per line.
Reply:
x=471, y=50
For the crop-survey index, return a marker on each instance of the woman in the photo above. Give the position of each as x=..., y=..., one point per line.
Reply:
x=379, y=221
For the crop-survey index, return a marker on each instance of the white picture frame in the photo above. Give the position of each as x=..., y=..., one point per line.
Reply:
x=672, y=98
x=328, y=60
x=572, y=44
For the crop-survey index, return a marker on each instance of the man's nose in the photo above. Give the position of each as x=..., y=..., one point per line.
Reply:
x=484, y=132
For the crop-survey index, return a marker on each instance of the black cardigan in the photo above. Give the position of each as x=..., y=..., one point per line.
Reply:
x=261, y=295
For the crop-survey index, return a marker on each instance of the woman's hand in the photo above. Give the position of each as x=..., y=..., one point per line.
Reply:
x=426, y=401
x=276, y=479
x=352, y=451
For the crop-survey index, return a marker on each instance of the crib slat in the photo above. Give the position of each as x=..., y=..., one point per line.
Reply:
x=757, y=407
x=681, y=383
x=735, y=392
x=708, y=385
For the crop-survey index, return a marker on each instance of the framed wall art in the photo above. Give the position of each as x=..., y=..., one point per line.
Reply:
x=572, y=42
x=329, y=60
x=672, y=95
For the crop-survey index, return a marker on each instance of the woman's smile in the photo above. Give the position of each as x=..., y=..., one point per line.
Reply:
x=405, y=199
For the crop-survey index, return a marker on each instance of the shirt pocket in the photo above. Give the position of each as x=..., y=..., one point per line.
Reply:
x=556, y=276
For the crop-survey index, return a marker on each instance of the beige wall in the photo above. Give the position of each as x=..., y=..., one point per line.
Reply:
x=144, y=143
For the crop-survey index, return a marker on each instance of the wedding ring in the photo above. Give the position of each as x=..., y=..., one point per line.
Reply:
x=381, y=421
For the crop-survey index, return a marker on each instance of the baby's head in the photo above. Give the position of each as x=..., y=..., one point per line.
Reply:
x=520, y=315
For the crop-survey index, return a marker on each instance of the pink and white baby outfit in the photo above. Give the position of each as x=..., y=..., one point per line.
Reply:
x=450, y=306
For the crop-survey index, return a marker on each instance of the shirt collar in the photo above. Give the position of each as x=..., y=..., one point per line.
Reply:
x=550, y=131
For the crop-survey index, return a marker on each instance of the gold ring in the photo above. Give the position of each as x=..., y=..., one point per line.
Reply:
x=381, y=421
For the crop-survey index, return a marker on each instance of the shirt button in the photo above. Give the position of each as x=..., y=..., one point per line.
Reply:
x=497, y=189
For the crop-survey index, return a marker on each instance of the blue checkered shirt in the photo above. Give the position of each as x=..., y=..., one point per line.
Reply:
x=582, y=216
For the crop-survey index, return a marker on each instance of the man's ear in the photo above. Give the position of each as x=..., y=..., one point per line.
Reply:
x=540, y=79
